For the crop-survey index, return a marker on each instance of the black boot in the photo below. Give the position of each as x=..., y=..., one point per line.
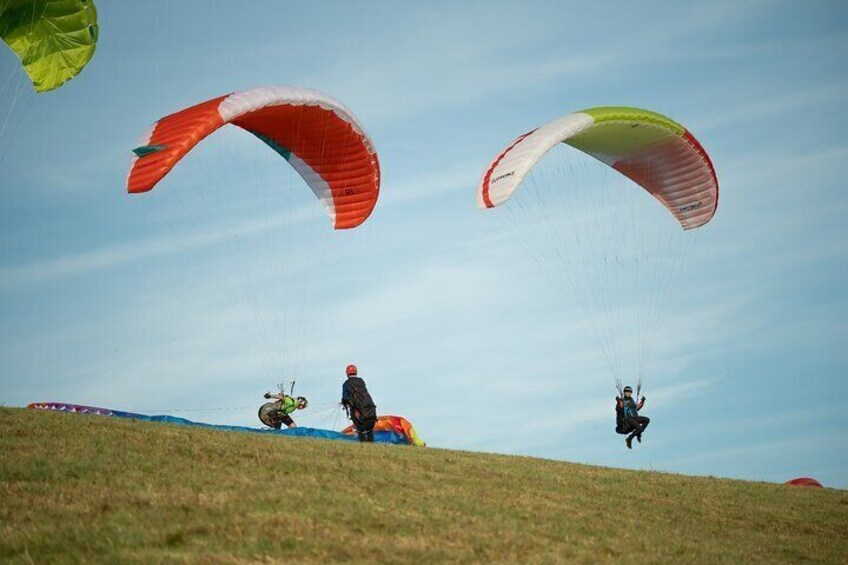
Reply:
x=369, y=436
x=629, y=442
x=363, y=436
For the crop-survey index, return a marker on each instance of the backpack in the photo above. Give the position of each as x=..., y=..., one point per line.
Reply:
x=621, y=425
x=360, y=399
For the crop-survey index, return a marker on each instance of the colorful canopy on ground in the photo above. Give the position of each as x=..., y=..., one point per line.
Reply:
x=54, y=39
x=804, y=482
x=654, y=151
x=379, y=437
x=317, y=135
x=393, y=424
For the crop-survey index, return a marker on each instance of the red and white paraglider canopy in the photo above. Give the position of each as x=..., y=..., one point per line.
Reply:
x=315, y=133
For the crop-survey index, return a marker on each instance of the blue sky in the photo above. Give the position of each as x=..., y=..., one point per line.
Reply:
x=183, y=299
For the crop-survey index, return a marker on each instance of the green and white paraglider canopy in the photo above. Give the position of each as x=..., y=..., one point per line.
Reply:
x=654, y=151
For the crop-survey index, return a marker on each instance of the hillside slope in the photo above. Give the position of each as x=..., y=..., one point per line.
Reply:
x=84, y=488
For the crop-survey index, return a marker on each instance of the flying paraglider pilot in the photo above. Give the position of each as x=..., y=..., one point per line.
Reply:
x=359, y=405
x=628, y=419
x=288, y=405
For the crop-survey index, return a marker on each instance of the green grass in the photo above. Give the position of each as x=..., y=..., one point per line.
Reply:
x=86, y=488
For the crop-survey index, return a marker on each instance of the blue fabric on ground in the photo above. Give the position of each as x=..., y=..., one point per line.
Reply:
x=379, y=437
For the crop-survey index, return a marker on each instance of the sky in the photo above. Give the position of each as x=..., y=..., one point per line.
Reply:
x=198, y=297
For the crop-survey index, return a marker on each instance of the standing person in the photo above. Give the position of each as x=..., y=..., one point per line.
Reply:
x=629, y=411
x=359, y=405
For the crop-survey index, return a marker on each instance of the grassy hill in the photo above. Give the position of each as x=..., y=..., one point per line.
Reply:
x=87, y=488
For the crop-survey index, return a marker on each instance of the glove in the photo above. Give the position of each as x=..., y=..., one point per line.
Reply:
x=617, y=399
x=643, y=399
x=267, y=395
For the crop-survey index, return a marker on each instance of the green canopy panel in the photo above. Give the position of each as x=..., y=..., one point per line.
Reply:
x=54, y=39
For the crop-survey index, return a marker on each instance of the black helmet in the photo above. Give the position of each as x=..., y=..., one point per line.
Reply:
x=628, y=389
x=302, y=402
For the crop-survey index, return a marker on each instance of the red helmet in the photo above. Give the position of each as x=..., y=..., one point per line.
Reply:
x=351, y=370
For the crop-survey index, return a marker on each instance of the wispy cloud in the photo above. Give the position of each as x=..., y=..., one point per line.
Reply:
x=458, y=179
x=127, y=252
x=776, y=106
